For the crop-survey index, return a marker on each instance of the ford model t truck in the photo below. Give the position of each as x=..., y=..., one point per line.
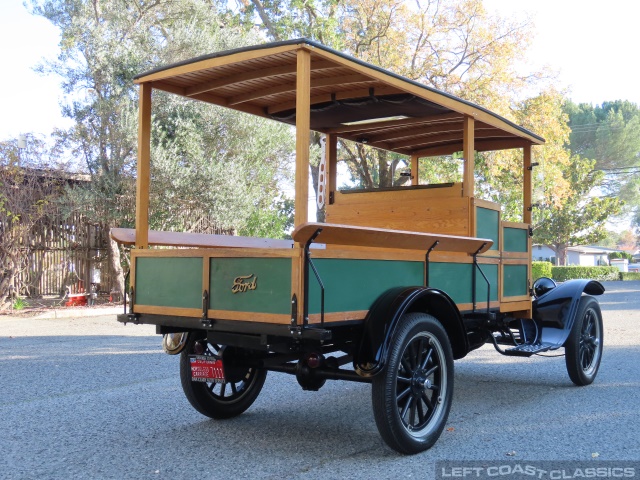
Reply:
x=396, y=285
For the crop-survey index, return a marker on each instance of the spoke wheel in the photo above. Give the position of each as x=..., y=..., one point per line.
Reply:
x=220, y=400
x=583, y=348
x=412, y=396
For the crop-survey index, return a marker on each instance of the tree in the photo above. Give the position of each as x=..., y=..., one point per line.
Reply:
x=103, y=46
x=610, y=134
x=499, y=174
x=579, y=219
x=27, y=192
x=453, y=46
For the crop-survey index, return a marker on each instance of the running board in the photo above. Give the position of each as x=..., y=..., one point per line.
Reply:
x=524, y=349
x=528, y=349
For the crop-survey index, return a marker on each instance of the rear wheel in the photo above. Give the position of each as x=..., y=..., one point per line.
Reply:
x=583, y=348
x=412, y=395
x=220, y=400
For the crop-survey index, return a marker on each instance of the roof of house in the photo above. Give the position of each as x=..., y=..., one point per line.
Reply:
x=589, y=249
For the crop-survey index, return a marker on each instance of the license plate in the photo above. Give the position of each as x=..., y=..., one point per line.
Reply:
x=206, y=369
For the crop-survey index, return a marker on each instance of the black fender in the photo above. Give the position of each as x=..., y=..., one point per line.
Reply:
x=555, y=311
x=385, y=313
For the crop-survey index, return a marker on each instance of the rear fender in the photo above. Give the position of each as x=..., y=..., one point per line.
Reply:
x=384, y=316
x=556, y=310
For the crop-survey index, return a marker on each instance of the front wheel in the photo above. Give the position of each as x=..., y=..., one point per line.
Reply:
x=412, y=395
x=583, y=348
x=220, y=400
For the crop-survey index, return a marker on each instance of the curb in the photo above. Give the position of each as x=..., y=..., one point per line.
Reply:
x=69, y=312
x=72, y=312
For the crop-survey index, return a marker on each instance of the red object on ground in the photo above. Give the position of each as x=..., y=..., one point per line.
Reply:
x=76, y=299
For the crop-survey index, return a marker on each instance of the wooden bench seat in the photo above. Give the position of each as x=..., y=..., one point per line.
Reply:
x=127, y=236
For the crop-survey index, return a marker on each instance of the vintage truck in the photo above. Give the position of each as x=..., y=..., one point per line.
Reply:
x=396, y=285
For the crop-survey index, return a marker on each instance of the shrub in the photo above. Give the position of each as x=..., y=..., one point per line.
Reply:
x=20, y=304
x=614, y=255
x=629, y=276
x=562, y=274
x=541, y=269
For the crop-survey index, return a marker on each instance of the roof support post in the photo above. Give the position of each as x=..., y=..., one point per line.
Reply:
x=414, y=169
x=144, y=159
x=303, y=124
x=527, y=189
x=332, y=165
x=468, y=153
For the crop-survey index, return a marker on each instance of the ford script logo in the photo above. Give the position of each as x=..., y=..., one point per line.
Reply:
x=244, y=283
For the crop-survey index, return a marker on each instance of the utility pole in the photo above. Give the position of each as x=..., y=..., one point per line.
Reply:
x=22, y=145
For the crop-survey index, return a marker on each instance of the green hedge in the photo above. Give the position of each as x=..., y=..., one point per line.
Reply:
x=562, y=274
x=614, y=255
x=629, y=275
x=541, y=269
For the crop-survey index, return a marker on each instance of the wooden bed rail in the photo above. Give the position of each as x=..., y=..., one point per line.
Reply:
x=378, y=237
x=127, y=236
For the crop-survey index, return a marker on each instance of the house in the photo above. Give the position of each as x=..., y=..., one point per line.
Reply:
x=586, y=256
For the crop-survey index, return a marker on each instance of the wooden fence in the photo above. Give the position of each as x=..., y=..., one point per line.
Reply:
x=70, y=254
x=65, y=255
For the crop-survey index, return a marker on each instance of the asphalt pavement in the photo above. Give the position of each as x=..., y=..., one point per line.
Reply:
x=86, y=397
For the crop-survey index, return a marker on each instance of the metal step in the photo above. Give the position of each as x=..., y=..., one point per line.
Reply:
x=528, y=349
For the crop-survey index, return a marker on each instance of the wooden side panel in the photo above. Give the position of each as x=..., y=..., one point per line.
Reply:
x=456, y=279
x=169, y=281
x=515, y=281
x=257, y=285
x=439, y=215
x=488, y=226
x=353, y=285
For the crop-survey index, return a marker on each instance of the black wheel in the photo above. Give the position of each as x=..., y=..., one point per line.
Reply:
x=412, y=395
x=583, y=348
x=220, y=400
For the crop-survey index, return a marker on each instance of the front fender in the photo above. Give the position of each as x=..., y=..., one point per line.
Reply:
x=556, y=310
x=384, y=316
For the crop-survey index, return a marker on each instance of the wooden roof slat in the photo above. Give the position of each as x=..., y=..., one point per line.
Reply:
x=480, y=145
x=426, y=140
x=291, y=87
x=215, y=62
x=255, y=75
x=398, y=133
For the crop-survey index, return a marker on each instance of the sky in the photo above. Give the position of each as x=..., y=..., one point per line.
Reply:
x=592, y=44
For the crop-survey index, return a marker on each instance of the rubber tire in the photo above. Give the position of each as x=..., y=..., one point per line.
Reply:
x=204, y=401
x=384, y=387
x=587, y=308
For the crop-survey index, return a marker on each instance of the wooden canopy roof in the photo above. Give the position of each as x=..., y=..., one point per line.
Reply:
x=348, y=98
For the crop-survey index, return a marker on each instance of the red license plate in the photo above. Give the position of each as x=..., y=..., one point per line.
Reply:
x=206, y=369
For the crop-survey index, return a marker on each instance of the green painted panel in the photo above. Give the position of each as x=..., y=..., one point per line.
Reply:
x=456, y=279
x=169, y=281
x=515, y=239
x=515, y=280
x=488, y=225
x=272, y=293
x=355, y=284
